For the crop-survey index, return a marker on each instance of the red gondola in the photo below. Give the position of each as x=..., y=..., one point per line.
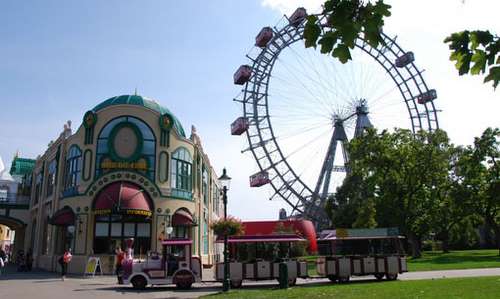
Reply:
x=259, y=179
x=242, y=75
x=264, y=36
x=405, y=59
x=298, y=16
x=427, y=96
x=239, y=126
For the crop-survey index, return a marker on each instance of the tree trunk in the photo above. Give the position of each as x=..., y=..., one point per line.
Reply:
x=497, y=237
x=415, y=243
x=445, y=242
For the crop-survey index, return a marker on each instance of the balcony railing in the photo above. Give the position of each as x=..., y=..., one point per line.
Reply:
x=14, y=199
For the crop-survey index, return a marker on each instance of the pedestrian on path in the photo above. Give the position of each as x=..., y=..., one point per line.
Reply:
x=64, y=261
x=3, y=260
x=29, y=260
x=120, y=256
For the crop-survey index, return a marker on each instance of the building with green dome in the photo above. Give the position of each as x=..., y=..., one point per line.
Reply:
x=127, y=171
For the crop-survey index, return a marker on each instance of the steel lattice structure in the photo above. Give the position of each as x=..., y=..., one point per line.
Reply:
x=287, y=184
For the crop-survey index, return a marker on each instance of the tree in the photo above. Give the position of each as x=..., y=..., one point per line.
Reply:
x=452, y=210
x=480, y=172
x=398, y=172
x=346, y=21
x=479, y=47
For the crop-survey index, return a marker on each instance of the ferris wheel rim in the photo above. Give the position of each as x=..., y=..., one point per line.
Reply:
x=288, y=35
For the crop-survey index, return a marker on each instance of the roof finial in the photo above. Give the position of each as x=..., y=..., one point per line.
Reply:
x=135, y=92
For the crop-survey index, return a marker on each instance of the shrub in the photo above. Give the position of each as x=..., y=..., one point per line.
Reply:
x=230, y=226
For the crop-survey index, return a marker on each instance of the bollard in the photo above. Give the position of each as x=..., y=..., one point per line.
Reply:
x=283, y=275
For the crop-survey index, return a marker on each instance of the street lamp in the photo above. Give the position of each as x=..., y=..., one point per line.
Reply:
x=225, y=181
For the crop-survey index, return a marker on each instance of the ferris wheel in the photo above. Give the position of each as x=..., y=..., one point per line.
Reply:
x=301, y=107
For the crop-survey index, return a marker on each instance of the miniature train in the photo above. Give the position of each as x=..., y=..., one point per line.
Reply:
x=342, y=253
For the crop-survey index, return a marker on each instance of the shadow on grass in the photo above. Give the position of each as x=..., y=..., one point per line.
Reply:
x=308, y=285
x=456, y=258
x=155, y=289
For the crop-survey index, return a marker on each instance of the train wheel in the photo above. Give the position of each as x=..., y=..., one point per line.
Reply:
x=344, y=279
x=236, y=284
x=391, y=276
x=333, y=278
x=139, y=283
x=379, y=276
x=184, y=285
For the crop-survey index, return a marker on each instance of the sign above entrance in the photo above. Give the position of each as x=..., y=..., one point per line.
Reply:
x=140, y=164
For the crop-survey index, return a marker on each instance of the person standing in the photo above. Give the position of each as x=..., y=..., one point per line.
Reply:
x=64, y=261
x=29, y=260
x=120, y=256
x=3, y=260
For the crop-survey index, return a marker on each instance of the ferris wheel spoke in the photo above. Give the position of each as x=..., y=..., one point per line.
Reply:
x=299, y=132
x=308, y=142
x=305, y=70
x=320, y=78
x=305, y=87
x=331, y=76
x=299, y=96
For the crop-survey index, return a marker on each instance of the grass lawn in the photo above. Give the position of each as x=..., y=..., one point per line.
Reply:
x=477, y=287
x=466, y=259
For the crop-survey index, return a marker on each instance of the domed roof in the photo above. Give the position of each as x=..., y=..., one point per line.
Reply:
x=141, y=101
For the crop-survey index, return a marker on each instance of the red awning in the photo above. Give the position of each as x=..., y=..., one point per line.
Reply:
x=263, y=238
x=182, y=218
x=63, y=217
x=177, y=242
x=122, y=197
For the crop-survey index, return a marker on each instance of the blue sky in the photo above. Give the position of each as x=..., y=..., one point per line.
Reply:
x=59, y=59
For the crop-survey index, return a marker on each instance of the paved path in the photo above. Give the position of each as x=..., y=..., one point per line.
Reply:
x=44, y=285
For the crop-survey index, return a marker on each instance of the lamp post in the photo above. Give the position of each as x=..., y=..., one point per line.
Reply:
x=225, y=181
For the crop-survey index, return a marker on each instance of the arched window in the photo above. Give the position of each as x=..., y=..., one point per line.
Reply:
x=126, y=142
x=73, y=170
x=182, y=164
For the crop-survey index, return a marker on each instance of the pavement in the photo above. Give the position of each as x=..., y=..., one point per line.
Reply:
x=47, y=285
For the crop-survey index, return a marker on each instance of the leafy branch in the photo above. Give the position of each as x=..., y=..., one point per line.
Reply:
x=346, y=21
x=476, y=52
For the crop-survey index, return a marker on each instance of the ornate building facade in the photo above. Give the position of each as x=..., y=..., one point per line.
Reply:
x=128, y=171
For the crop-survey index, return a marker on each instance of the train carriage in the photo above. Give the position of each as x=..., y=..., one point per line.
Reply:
x=360, y=252
x=258, y=258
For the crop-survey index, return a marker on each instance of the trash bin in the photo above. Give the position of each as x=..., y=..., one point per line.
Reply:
x=283, y=275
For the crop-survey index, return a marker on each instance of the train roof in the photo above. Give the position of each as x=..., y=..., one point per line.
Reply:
x=264, y=238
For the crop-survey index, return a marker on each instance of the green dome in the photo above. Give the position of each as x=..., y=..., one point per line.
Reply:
x=140, y=101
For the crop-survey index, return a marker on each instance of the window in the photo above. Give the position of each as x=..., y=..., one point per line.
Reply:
x=112, y=230
x=182, y=164
x=215, y=199
x=51, y=177
x=73, y=169
x=205, y=185
x=142, y=153
x=205, y=235
x=38, y=186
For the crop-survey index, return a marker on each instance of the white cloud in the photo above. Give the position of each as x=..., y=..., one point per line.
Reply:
x=288, y=6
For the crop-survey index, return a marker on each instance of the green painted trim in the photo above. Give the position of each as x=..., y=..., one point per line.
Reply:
x=85, y=177
x=138, y=150
x=179, y=198
x=166, y=173
x=144, y=102
x=166, y=121
x=89, y=119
